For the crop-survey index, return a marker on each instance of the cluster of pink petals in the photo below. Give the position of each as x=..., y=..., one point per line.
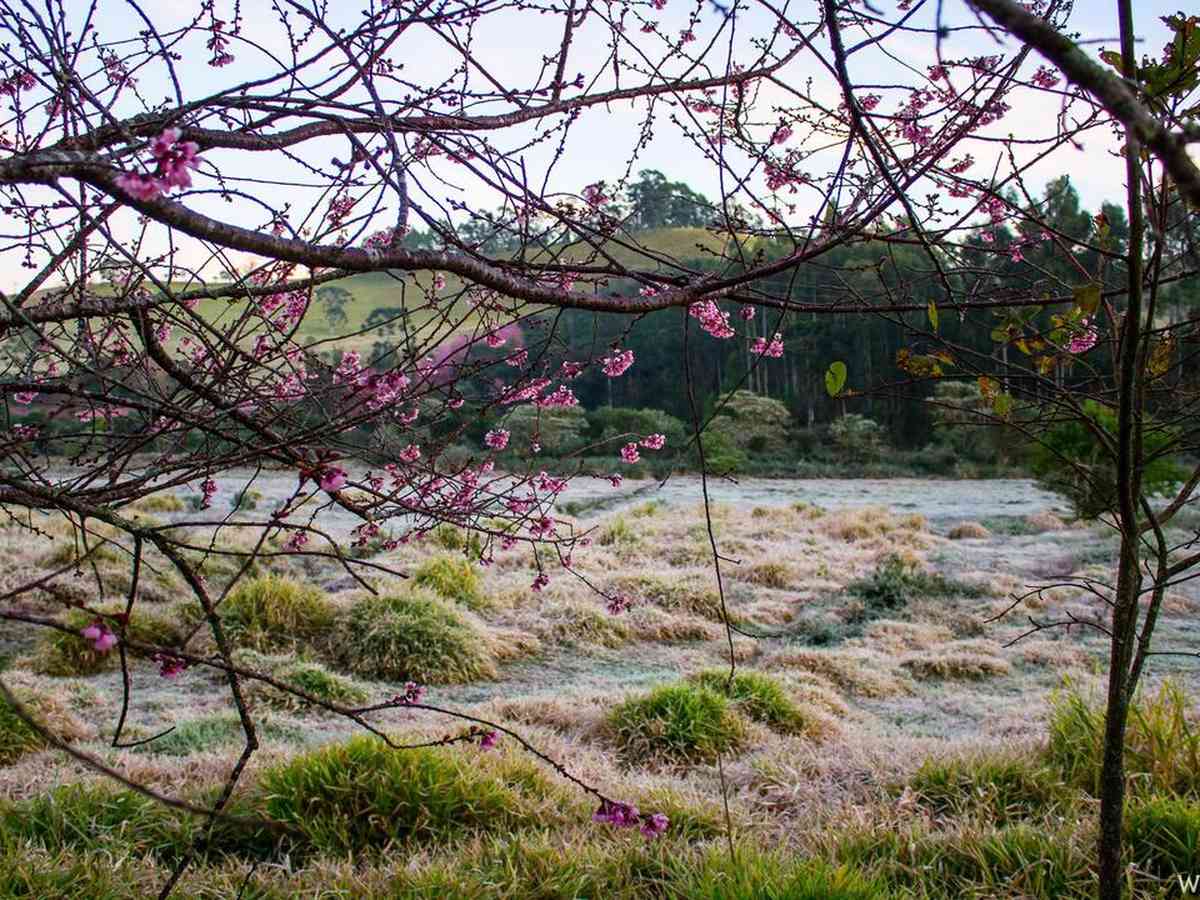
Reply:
x=774, y=348
x=410, y=454
x=175, y=159
x=629, y=453
x=617, y=363
x=496, y=439
x=208, y=490
x=654, y=441
x=540, y=582
x=618, y=604
x=170, y=665
x=332, y=478
x=562, y=396
x=24, y=398
x=98, y=633
x=615, y=479
x=1085, y=340
x=488, y=740
x=711, y=318
x=413, y=693
x=625, y=815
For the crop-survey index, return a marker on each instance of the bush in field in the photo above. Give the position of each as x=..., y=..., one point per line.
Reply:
x=682, y=722
x=607, y=423
x=1070, y=460
x=752, y=423
x=276, y=612
x=559, y=430
x=412, y=635
x=857, y=438
x=454, y=578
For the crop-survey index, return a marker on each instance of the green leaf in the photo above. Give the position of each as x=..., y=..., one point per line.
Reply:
x=933, y=315
x=1003, y=404
x=1087, y=297
x=835, y=378
x=1000, y=335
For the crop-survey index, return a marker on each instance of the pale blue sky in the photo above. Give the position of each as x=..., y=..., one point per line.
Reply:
x=512, y=45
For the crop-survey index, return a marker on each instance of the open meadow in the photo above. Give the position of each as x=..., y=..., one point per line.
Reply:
x=883, y=735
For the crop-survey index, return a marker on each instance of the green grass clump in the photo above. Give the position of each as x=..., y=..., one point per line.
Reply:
x=17, y=738
x=680, y=722
x=63, y=653
x=362, y=794
x=1164, y=836
x=1004, y=790
x=84, y=818
x=412, y=635
x=760, y=697
x=618, y=533
x=459, y=540
x=453, y=578
x=303, y=675
x=1162, y=745
x=275, y=612
x=210, y=732
x=896, y=582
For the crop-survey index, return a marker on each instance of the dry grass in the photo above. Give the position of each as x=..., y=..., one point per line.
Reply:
x=968, y=531
x=860, y=673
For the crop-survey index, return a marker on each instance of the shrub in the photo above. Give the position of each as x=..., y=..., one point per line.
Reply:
x=362, y=794
x=896, y=582
x=62, y=653
x=412, y=635
x=453, y=578
x=273, y=612
x=1162, y=746
x=559, y=429
x=760, y=697
x=1164, y=836
x=682, y=722
x=1071, y=461
x=857, y=437
x=606, y=423
x=1004, y=789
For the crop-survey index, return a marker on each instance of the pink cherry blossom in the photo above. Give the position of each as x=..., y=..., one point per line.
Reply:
x=711, y=318
x=617, y=363
x=1085, y=340
x=629, y=453
x=654, y=441
x=774, y=348
x=488, y=740
x=140, y=187
x=655, y=825
x=333, y=478
x=496, y=439
x=540, y=582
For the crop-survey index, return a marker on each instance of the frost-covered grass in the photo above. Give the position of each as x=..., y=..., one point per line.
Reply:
x=879, y=740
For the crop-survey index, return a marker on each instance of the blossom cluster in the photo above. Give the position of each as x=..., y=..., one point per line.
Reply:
x=626, y=815
x=174, y=157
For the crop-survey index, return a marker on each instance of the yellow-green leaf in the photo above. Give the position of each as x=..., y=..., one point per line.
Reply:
x=933, y=315
x=835, y=378
x=1003, y=404
x=1087, y=297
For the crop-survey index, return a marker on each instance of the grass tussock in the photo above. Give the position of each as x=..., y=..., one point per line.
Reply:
x=858, y=674
x=1000, y=789
x=272, y=612
x=306, y=675
x=412, y=635
x=575, y=623
x=160, y=503
x=362, y=795
x=691, y=593
x=676, y=723
x=1162, y=742
x=764, y=699
x=69, y=653
x=950, y=663
x=968, y=531
x=1164, y=835
x=454, y=578
x=18, y=738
